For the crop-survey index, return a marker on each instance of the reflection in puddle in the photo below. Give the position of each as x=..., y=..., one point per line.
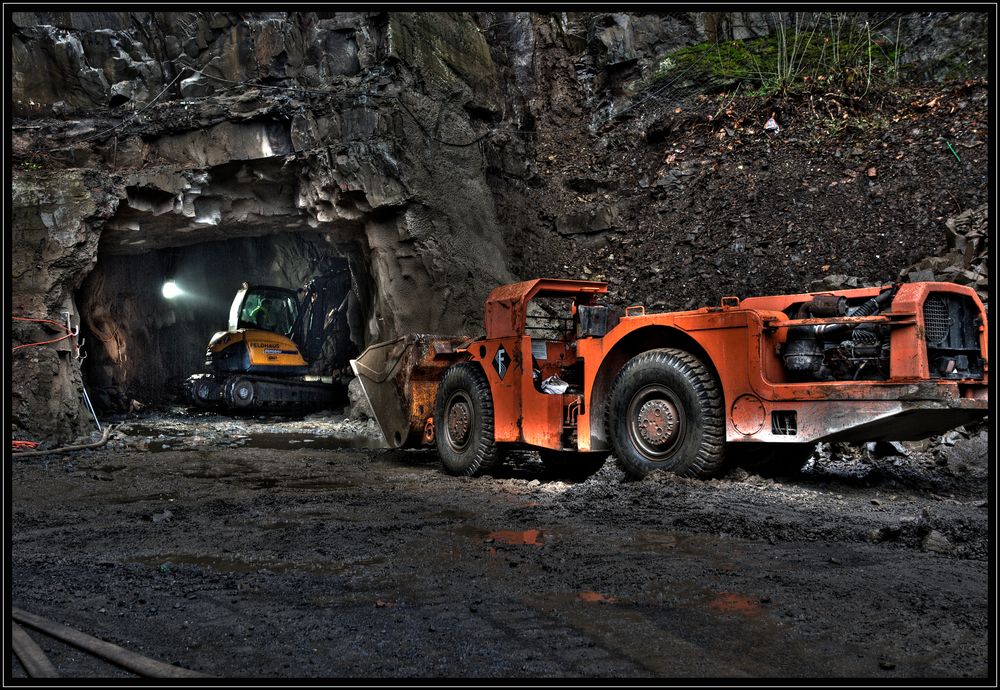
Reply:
x=733, y=602
x=527, y=537
x=310, y=441
x=658, y=540
x=452, y=515
x=596, y=597
x=156, y=440
x=718, y=551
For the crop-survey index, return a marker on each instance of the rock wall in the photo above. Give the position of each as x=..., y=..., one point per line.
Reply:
x=209, y=127
x=55, y=228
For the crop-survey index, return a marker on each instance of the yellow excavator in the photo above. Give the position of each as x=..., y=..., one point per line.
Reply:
x=284, y=349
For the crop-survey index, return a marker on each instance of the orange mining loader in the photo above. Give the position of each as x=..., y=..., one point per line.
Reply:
x=561, y=373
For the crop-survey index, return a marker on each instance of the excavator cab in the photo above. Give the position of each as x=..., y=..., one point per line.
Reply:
x=266, y=308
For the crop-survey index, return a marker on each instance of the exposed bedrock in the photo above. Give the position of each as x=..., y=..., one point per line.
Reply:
x=55, y=230
x=216, y=183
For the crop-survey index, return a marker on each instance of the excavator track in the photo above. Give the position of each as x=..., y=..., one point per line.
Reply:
x=256, y=393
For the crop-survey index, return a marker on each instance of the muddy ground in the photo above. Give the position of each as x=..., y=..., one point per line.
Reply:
x=243, y=547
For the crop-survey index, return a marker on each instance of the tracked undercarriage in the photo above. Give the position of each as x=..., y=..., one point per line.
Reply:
x=256, y=393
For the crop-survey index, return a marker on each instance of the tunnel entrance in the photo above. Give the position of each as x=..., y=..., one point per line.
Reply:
x=142, y=343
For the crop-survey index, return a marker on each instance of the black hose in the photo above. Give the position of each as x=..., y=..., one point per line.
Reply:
x=875, y=304
x=871, y=307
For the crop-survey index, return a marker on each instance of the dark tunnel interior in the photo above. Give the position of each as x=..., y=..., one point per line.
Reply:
x=141, y=346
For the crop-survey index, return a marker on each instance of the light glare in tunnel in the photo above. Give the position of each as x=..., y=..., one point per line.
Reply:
x=170, y=290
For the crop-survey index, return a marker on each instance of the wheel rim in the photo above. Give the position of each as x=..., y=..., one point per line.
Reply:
x=656, y=422
x=458, y=421
x=204, y=391
x=243, y=394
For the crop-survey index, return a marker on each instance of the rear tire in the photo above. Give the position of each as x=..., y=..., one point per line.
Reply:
x=665, y=412
x=463, y=421
x=573, y=465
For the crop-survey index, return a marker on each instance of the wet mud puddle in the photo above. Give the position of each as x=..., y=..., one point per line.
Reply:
x=158, y=440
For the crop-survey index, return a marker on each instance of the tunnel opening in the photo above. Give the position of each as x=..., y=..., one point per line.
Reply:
x=144, y=338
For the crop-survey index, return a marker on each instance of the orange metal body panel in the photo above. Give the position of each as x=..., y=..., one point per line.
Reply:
x=506, y=305
x=738, y=340
x=265, y=348
x=521, y=413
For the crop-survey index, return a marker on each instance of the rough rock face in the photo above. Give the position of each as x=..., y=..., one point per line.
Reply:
x=365, y=137
x=964, y=258
x=441, y=154
x=55, y=229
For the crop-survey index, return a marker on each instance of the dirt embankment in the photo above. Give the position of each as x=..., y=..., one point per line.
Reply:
x=688, y=200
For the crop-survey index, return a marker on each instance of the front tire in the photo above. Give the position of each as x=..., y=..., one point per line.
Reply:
x=665, y=412
x=463, y=421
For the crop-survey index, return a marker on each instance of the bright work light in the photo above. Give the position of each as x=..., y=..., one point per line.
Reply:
x=170, y=289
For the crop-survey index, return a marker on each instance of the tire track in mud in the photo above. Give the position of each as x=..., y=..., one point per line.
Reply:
x=386, y=566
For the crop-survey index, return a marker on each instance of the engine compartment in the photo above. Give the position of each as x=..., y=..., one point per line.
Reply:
x=832, y=345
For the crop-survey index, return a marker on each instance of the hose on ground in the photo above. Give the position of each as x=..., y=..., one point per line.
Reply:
x=67, y=449
x=31, y=656
x=144, y=666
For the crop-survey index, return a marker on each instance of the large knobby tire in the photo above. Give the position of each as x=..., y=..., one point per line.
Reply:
x=665, y=412
x=573, y=465
x=463, y=421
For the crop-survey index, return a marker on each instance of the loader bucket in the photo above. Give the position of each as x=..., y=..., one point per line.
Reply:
x=400, y=379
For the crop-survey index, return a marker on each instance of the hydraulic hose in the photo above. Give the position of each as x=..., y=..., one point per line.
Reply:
x=144, y=666
x=874, y=305
x=31, y=656
x=871, y=307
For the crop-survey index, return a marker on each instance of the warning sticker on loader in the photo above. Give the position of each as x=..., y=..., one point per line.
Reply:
x=501, y=361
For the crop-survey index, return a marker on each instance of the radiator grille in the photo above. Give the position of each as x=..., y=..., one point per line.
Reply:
x=937, y=322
